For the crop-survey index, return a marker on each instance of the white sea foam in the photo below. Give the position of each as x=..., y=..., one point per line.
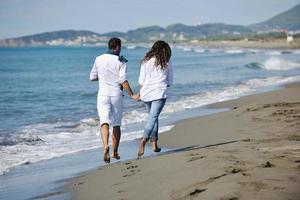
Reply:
x=56, y=140
x=224, y=94
x=254, y=50
x=46, y=141
x=184, y=48
x=273, y=53
x=234, y=51
x=131, y=47
x=187, y=49
x=197, y=50
x=296, y=51
x=275, y=63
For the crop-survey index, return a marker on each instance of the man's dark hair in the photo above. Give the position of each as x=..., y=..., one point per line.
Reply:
x=113, y=43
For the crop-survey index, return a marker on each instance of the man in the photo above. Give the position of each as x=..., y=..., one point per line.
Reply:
x=110, y=70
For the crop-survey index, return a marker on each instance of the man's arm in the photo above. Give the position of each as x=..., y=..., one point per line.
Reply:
x=94, y=73
x=127, y=88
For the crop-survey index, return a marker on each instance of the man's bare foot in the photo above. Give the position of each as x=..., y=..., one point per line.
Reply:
x=115, y=155
x=106, y=157
x=142, y=147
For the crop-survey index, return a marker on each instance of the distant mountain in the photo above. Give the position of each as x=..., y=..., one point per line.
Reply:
x=289, y=20
x=174, y=33
x=182, y=32
x=148, y=33
x=65, y=37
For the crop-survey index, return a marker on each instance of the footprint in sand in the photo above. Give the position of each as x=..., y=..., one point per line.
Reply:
x=234, y=170
x=268, y=165
x=230, y=198
x=130, y=170
x=77, y=184
x=254, y=185
x=195, y=156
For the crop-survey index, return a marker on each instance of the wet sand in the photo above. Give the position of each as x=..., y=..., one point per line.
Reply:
x=251, y=152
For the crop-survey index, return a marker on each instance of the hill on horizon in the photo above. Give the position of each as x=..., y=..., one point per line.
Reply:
x=178, y=32
x=289, y=20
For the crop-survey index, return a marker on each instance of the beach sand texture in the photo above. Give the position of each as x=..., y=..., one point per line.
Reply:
x=254, y=154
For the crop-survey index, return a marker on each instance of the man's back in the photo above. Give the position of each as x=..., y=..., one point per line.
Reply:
x=111, y=73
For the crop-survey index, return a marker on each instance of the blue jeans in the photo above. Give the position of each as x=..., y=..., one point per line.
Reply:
x=154, y=108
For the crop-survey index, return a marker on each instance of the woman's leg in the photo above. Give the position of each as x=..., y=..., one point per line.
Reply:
x=154, y=137
x=146, y=136
x=147, y=133
x=151, y=128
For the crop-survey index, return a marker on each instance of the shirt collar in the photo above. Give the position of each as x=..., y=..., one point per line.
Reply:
x=121, y=58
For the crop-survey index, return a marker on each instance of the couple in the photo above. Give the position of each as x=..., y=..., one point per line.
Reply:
x=155, y=77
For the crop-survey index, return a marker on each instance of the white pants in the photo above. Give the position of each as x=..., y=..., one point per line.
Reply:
x=110, y=110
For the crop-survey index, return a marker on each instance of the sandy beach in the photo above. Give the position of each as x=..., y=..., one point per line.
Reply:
x=251, y=151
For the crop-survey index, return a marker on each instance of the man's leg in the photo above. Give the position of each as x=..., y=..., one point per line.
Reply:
x=105, y=137
x=116, y=136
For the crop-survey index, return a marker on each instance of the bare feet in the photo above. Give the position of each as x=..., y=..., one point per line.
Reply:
x=155, y=147
x=106, y=157
x=142, y=147
x=115, y=155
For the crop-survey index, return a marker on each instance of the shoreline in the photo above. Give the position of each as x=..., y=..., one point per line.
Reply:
x=226, y=161
x=259, y=44
x=265, y=43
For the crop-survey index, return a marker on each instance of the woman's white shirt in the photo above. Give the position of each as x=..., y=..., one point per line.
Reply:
x=154, y=80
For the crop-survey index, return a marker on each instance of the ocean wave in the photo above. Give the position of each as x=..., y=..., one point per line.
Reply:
x=274, y=64
x=254, y=65
x=46, y=141
x=223, y=94
x=234, y=51
x=296, y=51
x=49, y=140
x=198, y=50
x=280, y=52
x=254, y=51
x=273, y=53
x=131, y=47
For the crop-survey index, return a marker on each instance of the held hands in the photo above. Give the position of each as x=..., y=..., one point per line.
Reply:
x=136, y=97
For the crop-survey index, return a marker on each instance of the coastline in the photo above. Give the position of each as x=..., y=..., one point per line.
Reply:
x=259, y=44
x=260, y=161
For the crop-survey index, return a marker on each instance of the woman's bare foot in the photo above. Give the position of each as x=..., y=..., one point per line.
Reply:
x=106, y=157
x=142, y=147
x=115, y=155
x=155, y=147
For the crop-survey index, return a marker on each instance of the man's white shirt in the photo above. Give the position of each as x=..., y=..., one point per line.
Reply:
x=111, y=73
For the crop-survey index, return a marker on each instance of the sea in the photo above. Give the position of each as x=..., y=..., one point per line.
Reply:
x=48, y=104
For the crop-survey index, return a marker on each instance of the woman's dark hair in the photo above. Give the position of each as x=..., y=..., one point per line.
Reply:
x=113, y=43
x=162, y=53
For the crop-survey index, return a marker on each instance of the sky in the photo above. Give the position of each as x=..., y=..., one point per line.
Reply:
x=25, y=17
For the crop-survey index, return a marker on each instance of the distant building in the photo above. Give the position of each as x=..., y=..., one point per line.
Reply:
x=289, y=38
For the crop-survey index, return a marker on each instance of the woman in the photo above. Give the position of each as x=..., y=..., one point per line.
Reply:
x=155, y=77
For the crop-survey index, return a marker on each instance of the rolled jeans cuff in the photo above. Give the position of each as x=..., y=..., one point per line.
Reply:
x=153, y=139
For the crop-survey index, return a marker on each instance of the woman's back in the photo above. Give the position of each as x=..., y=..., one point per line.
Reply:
x=154, y=80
